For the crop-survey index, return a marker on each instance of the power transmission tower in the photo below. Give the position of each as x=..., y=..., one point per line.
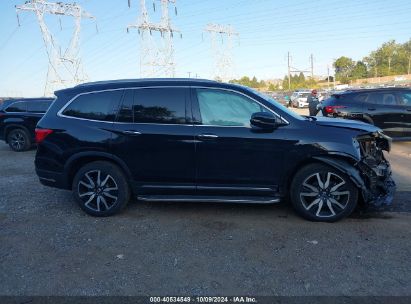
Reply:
x=156, y=55
x=295, y=70
x=65, y=68
x=222, y=50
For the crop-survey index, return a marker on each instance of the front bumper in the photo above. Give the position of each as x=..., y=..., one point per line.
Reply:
x=379, y=185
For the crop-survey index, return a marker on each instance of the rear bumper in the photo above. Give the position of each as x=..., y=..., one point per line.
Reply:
x=52, y=179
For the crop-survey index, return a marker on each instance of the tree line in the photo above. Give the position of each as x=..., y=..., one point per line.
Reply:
x=391, y=58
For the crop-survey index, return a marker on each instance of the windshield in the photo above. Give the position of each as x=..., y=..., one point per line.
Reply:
x=277, y=104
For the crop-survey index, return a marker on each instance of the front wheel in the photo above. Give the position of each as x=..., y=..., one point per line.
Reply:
x=101, y=189
x=323, y=194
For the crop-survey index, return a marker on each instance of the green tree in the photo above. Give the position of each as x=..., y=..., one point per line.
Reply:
x=359, y=71
x=343, y=69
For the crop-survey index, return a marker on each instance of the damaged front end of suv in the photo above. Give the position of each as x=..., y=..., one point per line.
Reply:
x=369, y=170
x=378, y=187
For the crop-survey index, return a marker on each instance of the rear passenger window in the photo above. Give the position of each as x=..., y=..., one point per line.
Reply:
x=154, y=105
x=38, y=106
x=383, y=98
x=17, y=107
x=95, y=106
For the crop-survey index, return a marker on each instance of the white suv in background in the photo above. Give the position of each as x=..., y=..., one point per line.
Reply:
x=299, y=99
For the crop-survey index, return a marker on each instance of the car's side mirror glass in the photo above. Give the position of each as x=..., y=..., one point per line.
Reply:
x=265, y=120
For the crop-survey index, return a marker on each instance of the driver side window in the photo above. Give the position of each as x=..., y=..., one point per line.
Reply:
x=224, y=108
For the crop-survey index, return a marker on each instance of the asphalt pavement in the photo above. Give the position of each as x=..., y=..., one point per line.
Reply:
x=48, y=246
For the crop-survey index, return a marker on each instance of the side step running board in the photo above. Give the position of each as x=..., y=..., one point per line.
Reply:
x=210, y=199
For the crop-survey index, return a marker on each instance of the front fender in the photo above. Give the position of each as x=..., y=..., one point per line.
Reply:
x=376, y=189
x=345, y=167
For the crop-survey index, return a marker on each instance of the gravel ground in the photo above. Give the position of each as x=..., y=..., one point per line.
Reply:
x=49, y=247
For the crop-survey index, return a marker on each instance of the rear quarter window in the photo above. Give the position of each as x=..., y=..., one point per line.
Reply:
x=17, y=107
x=94, y=106
x=38, y=106
x=361, y=97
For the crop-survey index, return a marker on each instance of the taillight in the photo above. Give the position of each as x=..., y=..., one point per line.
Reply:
x=41, y=134
x=331, y=109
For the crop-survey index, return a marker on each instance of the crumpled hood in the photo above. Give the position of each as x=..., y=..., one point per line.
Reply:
x=345, y=123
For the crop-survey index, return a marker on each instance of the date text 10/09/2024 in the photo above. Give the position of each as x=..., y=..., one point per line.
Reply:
x=204, y=299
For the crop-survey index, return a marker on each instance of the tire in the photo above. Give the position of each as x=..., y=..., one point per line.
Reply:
x=101, y=189
x=321, y=193
x=19, y=140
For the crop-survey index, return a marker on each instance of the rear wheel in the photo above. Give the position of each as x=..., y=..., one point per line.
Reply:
x=18, y=140
x=101, y=189
x=321, y=193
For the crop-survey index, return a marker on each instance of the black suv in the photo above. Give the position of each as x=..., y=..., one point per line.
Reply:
x=200, y=140
x=386, y=108
x=18, y=119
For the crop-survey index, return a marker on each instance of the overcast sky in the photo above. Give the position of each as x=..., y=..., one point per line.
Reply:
x=268, y=30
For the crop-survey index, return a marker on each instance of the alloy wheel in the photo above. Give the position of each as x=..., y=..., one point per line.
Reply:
x=17, y=140
x=98, y=191
x=324, y=194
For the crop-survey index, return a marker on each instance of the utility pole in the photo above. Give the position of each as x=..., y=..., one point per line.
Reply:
x=295, y=70
x=223, y=52
x=312, y=65
x=65, y=68
x=409, y=64
x=289, y=71
x=156, y=55
x=328, y=76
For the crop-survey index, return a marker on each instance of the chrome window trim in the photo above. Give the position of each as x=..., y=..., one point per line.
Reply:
x=13, y=103
x=60, y=112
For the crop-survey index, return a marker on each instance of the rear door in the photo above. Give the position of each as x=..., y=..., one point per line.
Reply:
x=155, y=139
x=385, y=112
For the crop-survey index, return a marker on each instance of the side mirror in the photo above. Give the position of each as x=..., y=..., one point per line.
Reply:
x=265, y=120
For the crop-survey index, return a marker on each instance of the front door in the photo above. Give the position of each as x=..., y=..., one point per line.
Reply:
x=232, y=157
x=153, y=138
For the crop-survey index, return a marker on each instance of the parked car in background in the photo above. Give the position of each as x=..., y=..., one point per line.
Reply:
x=386, y=108
x=18, y=120
x=299, y=99
x=205, y=141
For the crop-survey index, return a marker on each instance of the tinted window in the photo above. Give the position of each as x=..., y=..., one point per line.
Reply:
x=222, y=108
x=125, y=113
x=17, y=107
x=154, y=105
x=361, y=97
x=405, y=98
x=38, y=106
x=383, y=98
x=96, y=106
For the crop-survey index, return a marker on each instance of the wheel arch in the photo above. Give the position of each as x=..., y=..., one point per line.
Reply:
x=12, y=127
x=342, y=163
x=75, y=162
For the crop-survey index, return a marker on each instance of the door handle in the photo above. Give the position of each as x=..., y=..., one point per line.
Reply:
x=409, y=110
x=207, y=136
x=371, y=109
x=132, y=132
